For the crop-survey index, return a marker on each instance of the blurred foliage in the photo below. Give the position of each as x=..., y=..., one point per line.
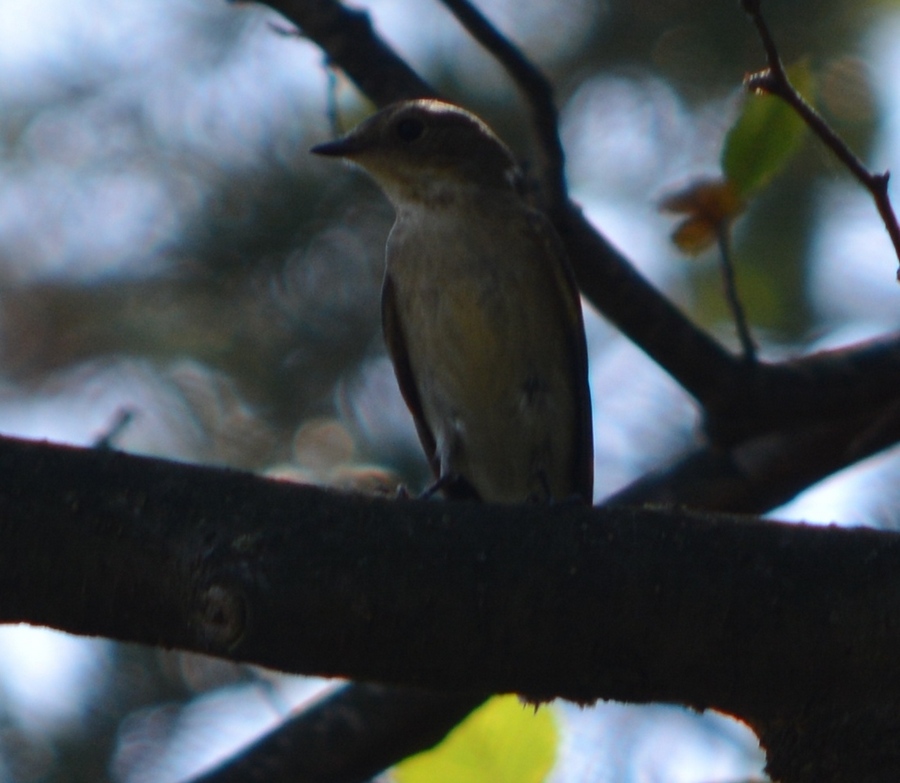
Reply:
x=162, y=228
x=709, y=208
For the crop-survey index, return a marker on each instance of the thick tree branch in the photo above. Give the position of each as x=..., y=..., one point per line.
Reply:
x=443, y=595
x=761, y=620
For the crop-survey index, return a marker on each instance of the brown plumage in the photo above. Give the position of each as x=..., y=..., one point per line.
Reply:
x=481, y=315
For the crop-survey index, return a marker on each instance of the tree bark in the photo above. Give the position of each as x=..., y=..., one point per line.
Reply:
x=790, y=627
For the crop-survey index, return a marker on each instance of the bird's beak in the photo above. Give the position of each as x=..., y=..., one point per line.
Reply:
x=341, y=148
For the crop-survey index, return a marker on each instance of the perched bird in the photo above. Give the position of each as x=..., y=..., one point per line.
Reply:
x=480, y=311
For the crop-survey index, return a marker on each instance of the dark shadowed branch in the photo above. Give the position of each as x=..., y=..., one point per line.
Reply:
x=536, y=88
x=769, y=622
x=351, y=735
x=346, y=37
x=303, y=579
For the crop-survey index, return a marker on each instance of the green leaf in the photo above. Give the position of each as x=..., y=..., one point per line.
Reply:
x=503, y=741
x=766, y=134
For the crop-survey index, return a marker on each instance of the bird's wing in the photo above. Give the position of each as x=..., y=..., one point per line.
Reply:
x=395, y=340
x=576, y=348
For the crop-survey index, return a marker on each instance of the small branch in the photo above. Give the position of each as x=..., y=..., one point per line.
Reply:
x=347, y=38
x=767, y=471
x=774, y=81
x=753, y=10
x=344, y=728
x=731, y=295
x=124, y=418
x=534, y=86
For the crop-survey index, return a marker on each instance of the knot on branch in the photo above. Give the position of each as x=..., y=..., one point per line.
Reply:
x=221, y=616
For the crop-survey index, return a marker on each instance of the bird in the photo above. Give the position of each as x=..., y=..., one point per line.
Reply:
x=480, y=311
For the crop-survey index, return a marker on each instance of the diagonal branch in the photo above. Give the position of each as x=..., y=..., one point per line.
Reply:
x=534, y=86
x=351, y=735
x=767, y=471
x=347, y=38
x=774, y=80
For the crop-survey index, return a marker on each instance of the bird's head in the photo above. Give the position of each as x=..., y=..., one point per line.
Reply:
x=423, y=148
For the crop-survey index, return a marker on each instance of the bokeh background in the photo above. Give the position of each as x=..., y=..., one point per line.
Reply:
x=179, y=277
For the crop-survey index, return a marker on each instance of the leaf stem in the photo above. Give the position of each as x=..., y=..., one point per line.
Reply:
x=731, y=295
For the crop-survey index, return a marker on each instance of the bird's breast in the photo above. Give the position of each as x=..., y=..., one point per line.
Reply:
x=487, y=338
x=473, y=293
x=463, y=305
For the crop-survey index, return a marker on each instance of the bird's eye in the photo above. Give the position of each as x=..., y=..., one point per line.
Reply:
x=410, y=129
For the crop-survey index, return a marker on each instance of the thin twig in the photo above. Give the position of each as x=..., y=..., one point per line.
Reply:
x=731, y=296
x=124, y=418
x=534, y=86
x=774, y=81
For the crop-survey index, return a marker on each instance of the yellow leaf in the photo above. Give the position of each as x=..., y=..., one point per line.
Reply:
x=710, y=206
x=693, y=236
x=503, y=741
